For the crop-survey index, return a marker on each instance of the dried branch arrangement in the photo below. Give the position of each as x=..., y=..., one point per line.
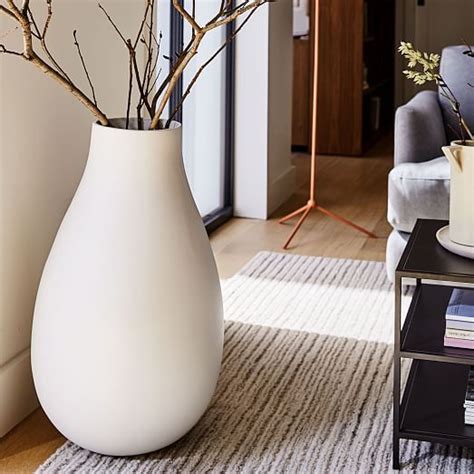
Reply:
x=153, y=94
x=428, y=71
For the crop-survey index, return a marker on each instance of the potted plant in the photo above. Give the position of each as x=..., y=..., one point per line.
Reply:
x=424, y=68
x=128, y=326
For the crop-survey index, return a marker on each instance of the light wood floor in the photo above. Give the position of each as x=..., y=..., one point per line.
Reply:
x=353, y=187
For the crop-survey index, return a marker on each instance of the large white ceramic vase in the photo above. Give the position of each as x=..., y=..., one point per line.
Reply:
x=128, y=325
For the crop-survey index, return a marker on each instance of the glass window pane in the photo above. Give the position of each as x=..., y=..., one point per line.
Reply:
x=204, y=118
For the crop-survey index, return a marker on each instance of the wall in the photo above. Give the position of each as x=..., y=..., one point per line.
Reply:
x=430, y=28
x=264, y=177
x=44, y=138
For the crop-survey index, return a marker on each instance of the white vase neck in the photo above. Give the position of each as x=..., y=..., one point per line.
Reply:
x=121, y=123
x=118, y=144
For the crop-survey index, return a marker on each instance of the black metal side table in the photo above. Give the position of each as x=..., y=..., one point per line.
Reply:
x=431, y=408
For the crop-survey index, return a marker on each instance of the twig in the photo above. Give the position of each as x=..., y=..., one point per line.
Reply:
x=37, y=32
x=29, y=54
x=155, y=63
x=185, y=58
x=175, y=77
x=129, y=93
x=25, y=7
x=449, y=95
x=204, y=65
x=4, y=50
x=166, y=80
x=240, y=10
x=113, y=23
x=24, y=19
x=149, y=5
x=44, y=45
x=8, y=12
x=143, y=96
x=79, y=52
x=186, y=16
x=132, y=56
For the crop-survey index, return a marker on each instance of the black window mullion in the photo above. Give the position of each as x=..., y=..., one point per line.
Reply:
x=176, y=48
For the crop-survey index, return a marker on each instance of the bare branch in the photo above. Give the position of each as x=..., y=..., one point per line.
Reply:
x=204, y=65
x=25, y=7
x=133, y=65
x=113, y=24
x=184, y=59
x=143, y=95
x=23, y=19
x=79, y=52
x=149, y=4
x=175, y=77
x=129, y=93
x=165, y=81
x=147, y=80
x=225, y=4
x=8, y=12
x=150, y=65
x=186, y=16
x=241, y=9
x=4, y=50
x=44, y=45
x=36, y=32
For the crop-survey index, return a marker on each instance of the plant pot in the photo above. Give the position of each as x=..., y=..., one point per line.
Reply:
x=461, y=208
x=128, y=324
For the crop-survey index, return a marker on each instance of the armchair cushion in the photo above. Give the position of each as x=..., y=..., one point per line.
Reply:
x=419, y=129
x=418, y=190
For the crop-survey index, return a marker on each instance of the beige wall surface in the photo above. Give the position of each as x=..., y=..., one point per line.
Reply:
x=44, y=139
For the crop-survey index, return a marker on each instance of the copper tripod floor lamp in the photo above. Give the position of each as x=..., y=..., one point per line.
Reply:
x=312, y=203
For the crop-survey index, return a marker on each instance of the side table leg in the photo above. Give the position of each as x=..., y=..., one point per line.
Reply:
x=396, y=375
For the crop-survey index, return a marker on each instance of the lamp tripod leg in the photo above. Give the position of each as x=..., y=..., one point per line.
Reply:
x=297, y=226
x=347, y=222
x=293, y=214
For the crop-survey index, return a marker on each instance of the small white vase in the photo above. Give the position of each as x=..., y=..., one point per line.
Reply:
x=128, y=324
x=461, y=208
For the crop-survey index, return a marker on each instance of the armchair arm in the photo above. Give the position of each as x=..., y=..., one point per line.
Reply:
x=419, y=129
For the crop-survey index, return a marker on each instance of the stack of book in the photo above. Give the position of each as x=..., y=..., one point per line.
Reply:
x=469, y=399
x=460, y=320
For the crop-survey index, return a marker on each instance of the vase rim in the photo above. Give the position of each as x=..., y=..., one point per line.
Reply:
x=464, y=143
x=118, y=123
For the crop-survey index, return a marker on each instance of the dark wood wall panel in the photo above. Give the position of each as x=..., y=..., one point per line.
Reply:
x=356, y=39
x=340, y=77
x=301, y=92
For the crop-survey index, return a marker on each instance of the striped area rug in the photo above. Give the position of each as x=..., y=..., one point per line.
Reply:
x=305, y=384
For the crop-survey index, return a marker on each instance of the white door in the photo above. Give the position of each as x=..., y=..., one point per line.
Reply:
x=431, y=25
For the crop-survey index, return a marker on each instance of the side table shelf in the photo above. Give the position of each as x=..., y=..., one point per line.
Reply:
x=431, y=408
x=422, y=335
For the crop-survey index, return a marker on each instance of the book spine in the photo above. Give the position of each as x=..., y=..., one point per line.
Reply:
x=460, y=343
x=459, y=325
x=457, y=317
x=460, y=334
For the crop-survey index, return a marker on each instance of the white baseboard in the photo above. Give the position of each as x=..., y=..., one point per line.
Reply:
x=17, y=393
x=281, y=189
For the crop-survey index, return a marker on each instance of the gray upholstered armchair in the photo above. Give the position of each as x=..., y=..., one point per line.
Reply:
x=418, y=186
